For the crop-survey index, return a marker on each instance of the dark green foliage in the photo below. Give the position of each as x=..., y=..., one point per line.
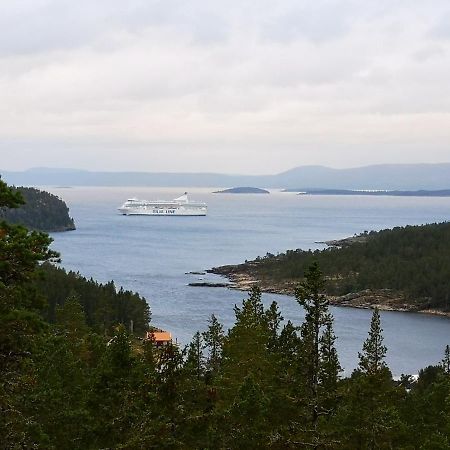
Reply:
x=414, y=260
x=213, y=340
x=370, y=406
x=20, y=252
x=248, y=417
x=246, y=349
x=371, y=360
x=195, y=363
x=102, y=304
x=319, y=365
x=9, y=197
x=42, y=211
x=70, y=318
x=330, y=367
x=20, y=324
x=368, y=416
x=446, y=361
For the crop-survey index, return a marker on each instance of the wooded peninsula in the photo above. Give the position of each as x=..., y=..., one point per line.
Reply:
x=41, y=211
x=405, y=268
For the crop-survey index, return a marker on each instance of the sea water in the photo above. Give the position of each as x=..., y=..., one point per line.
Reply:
x=151, y=255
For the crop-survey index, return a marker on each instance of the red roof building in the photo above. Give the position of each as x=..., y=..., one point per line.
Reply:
x=160, y=337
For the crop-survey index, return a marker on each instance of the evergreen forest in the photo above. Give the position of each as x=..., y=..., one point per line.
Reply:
x=76, y=373
x=413, y=261
x=39, y=211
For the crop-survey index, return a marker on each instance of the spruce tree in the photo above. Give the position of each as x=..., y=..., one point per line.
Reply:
x=71, y=319
x=246, y=346
x=247, y=418
x=445, y=364
x=247, y=355
x=195, y=360
x=370, y=415
x=330, y=366
x=318, y=359
x=371, y=360
x=213, y=341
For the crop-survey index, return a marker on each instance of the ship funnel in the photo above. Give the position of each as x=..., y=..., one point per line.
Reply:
x=182, y=198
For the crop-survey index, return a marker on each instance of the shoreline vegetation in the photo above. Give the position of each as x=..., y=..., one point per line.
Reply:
x=402, y=269
x=41, y=211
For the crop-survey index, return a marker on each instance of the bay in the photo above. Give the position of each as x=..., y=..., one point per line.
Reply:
x=151, y=255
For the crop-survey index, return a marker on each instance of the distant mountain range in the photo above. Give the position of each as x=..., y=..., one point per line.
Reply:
x=384, y=176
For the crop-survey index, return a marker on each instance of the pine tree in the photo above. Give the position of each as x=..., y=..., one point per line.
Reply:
x=21, y=252
x=445, y=364
x=371, y=360
x=330, y=366
x=248, y=353
x=247, y=418
x=318, y=359
x=213, y=338
x=370, y=417
x=246, y=347
x=70, y=318
x=195, y=361
x=273, y=318
x=9, y=197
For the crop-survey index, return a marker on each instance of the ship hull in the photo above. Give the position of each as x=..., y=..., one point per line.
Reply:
x=159, y=212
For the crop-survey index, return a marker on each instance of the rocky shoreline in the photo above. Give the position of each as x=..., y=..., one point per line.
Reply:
x=240, y=277
x=358, y=239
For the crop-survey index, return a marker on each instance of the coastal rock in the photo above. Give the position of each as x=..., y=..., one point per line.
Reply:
x=209, y=284
x=242, y=278
x=383, y=299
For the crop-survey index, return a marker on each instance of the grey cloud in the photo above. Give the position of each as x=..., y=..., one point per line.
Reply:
x=430, y=52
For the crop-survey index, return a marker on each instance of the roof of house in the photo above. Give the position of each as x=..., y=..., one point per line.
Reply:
x=160, y=336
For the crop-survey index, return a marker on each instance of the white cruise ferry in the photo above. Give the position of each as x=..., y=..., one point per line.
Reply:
x=180, y=206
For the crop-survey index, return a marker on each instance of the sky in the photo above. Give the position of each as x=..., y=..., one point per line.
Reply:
x=236, y=86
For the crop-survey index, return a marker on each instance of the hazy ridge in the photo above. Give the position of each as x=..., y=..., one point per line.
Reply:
x=383, y=176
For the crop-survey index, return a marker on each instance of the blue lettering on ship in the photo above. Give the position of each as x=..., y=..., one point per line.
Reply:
x=162, y=211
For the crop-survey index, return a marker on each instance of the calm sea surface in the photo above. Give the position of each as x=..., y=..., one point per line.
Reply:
x=151, y=255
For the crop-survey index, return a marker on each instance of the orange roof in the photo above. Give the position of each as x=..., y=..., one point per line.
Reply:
x=160, y=336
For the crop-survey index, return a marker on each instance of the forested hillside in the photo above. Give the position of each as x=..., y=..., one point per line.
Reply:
x=413, y=261
x=73, y=376
x=42, y=211
x=104, y=306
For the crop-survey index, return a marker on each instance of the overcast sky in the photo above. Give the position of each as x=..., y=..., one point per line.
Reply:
x=238, y=86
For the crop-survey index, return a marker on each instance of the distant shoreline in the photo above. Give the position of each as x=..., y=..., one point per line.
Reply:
x=373, y=193
x=388, y=177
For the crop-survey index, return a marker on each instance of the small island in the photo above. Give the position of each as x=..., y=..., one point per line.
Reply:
x=243, y=190
x=42, y=211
